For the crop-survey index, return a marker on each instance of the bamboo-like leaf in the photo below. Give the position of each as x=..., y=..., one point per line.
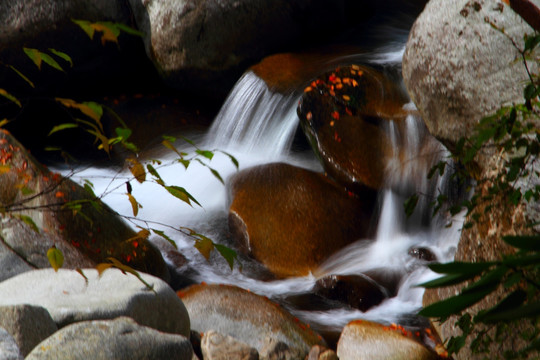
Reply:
x=447, y=280
x=455, y=304
x=134, y=204
x=410, y=205
x=62, y=55
x=531, y=243
x=56, y=258
x=79, y=270
x=86, y=27
x=10, y=97
x=227, y=253
x=62, y=127
x=34, y=55
x=127, y=269
x=28, y=220
x=171, y=147
x=137, y=169
x=458, y=267
x=163, y=235
x=492, y=278
x=4, y=122
x=504, y=308
x=22, y=75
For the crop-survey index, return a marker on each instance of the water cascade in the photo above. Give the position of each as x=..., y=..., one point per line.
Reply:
x=258, y=126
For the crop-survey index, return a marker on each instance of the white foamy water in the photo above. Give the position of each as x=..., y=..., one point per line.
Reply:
x=257, y=126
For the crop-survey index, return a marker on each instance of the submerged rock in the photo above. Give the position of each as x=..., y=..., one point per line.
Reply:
x=292, y=219
x=344, y=114
x=247, y=317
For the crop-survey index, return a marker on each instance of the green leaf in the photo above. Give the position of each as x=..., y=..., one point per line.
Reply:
x=503, y=309
x=47, y=59
x=188, y=141
x=227, y=253
x=531, y=41
x=529, y=92
x=206, y=153
x=492, y=278
x=154, y=172
x=455, y=304
x=10, y=97
x=62, y=55
x=22, y=75
x=447, y=280
x=62, y=127
x=233, y=159
x=127, y=269
x=410, y=204
x=163, y=235
x=86, y=26
x=182, y=194
x=457, y=267
x=524, y=242
x=129, y=30
x=27, y=220
x=204, y=245
x=34, y=55
x=56, y=258
x=216, y=174
x=529, y=311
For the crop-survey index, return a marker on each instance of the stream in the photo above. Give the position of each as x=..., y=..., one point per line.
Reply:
x=258, y=126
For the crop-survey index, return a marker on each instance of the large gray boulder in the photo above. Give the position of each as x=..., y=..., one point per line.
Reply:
x=193, y=41
x=69, y=297
x=120, y=339
x=8, y=346
x=458, y=68
x=29, y=325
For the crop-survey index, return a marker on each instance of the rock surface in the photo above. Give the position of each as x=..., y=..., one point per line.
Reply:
x=29, y=325
x=216, y=346
x=32, y=194
x=315, y=218
x=455, y=61
x=345, y=114
x=121, y=339
x=247, y=317
x=199, y=42
x=69, y=297
x=8, y=346
x=365, y=340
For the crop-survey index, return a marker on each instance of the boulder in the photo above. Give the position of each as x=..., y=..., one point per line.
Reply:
x=359, y=292
x=205, y=44
x=362, y=339
x=38, y=215
x=28, y=324
x=318, y=352
x=345, y=114
x=8, y=346
x=216, y=346
x=455, y=61
x=315, y=217
x=69, y=297
x=247, y=317
x=121, y=339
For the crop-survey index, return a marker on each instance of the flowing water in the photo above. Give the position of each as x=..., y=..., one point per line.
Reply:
x=258, y=126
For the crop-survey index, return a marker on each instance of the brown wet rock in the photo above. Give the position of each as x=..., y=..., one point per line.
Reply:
x=292, y=219
x=45, y=209
x=344, y=114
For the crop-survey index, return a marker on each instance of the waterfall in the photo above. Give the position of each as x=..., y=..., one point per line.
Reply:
x=255, y=119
